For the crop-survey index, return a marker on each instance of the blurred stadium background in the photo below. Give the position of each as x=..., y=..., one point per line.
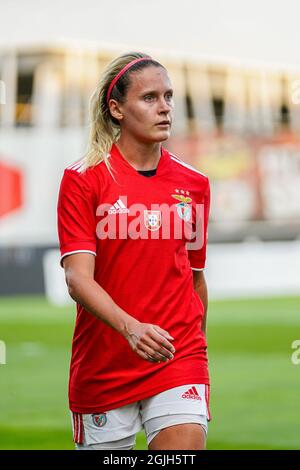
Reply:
x=237, y=85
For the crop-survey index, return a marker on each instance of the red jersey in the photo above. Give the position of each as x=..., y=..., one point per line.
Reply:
x=142, y=231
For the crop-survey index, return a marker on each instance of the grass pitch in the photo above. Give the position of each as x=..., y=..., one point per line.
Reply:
x=255, y=385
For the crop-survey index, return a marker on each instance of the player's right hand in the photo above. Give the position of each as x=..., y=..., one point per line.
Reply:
x=150, y=342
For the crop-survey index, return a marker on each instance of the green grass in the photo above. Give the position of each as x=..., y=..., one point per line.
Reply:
x=255, y=386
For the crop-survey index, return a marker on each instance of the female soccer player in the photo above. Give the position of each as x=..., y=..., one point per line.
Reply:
x=132, y=221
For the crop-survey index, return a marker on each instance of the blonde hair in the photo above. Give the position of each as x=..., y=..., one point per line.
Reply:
x=104, y=128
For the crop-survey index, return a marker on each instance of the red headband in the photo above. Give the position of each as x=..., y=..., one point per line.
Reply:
x=122, y=71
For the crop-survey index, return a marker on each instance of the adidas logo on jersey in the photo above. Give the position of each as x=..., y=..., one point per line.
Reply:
x=118, y=208
x=191, y=394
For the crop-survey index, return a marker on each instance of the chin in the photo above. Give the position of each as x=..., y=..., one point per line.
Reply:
x=155, y=138
x=162, y=136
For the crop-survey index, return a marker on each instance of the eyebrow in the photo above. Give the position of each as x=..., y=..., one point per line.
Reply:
x=149, y=92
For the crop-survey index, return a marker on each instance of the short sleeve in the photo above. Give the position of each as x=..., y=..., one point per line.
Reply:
x=197, y=249
x=76, y=215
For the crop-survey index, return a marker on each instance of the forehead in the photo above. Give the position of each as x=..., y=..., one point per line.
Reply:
x=149, y=78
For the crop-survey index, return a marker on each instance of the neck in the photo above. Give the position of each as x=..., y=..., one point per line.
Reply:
x=142, y=156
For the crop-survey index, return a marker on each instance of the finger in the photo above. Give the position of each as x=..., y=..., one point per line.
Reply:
x=151, y=359
x=162, y=341
x=163, y=332
x=152, y=353
x=146, y=356
x=164, y=352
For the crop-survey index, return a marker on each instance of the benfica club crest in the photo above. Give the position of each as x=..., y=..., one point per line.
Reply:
x=152, y=219
x=99, y=420
x=184, y=208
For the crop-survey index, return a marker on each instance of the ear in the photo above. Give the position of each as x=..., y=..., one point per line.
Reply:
x=115, y=110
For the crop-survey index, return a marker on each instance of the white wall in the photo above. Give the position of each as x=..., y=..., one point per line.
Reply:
x=233, y=271
x=256, y=30
x=41, y=156
x=253, y=269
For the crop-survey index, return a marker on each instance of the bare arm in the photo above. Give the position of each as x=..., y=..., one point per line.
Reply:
x=201, y=289
x=150, y=342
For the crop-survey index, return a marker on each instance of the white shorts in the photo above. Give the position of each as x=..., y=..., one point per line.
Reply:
x=117, y=428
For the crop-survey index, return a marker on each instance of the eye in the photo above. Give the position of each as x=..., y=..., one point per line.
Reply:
x=149, y=98
x=169, y=96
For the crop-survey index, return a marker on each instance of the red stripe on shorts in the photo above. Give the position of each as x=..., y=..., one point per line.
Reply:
x=75, y=420
x=80, y=439
x=207, y=398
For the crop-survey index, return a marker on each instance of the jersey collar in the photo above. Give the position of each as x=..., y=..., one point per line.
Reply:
x=161, y=169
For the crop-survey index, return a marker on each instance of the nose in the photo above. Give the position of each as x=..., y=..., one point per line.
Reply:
x=164, y=105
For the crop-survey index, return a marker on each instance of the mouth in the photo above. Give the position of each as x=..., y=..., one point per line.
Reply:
x=163, y=123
